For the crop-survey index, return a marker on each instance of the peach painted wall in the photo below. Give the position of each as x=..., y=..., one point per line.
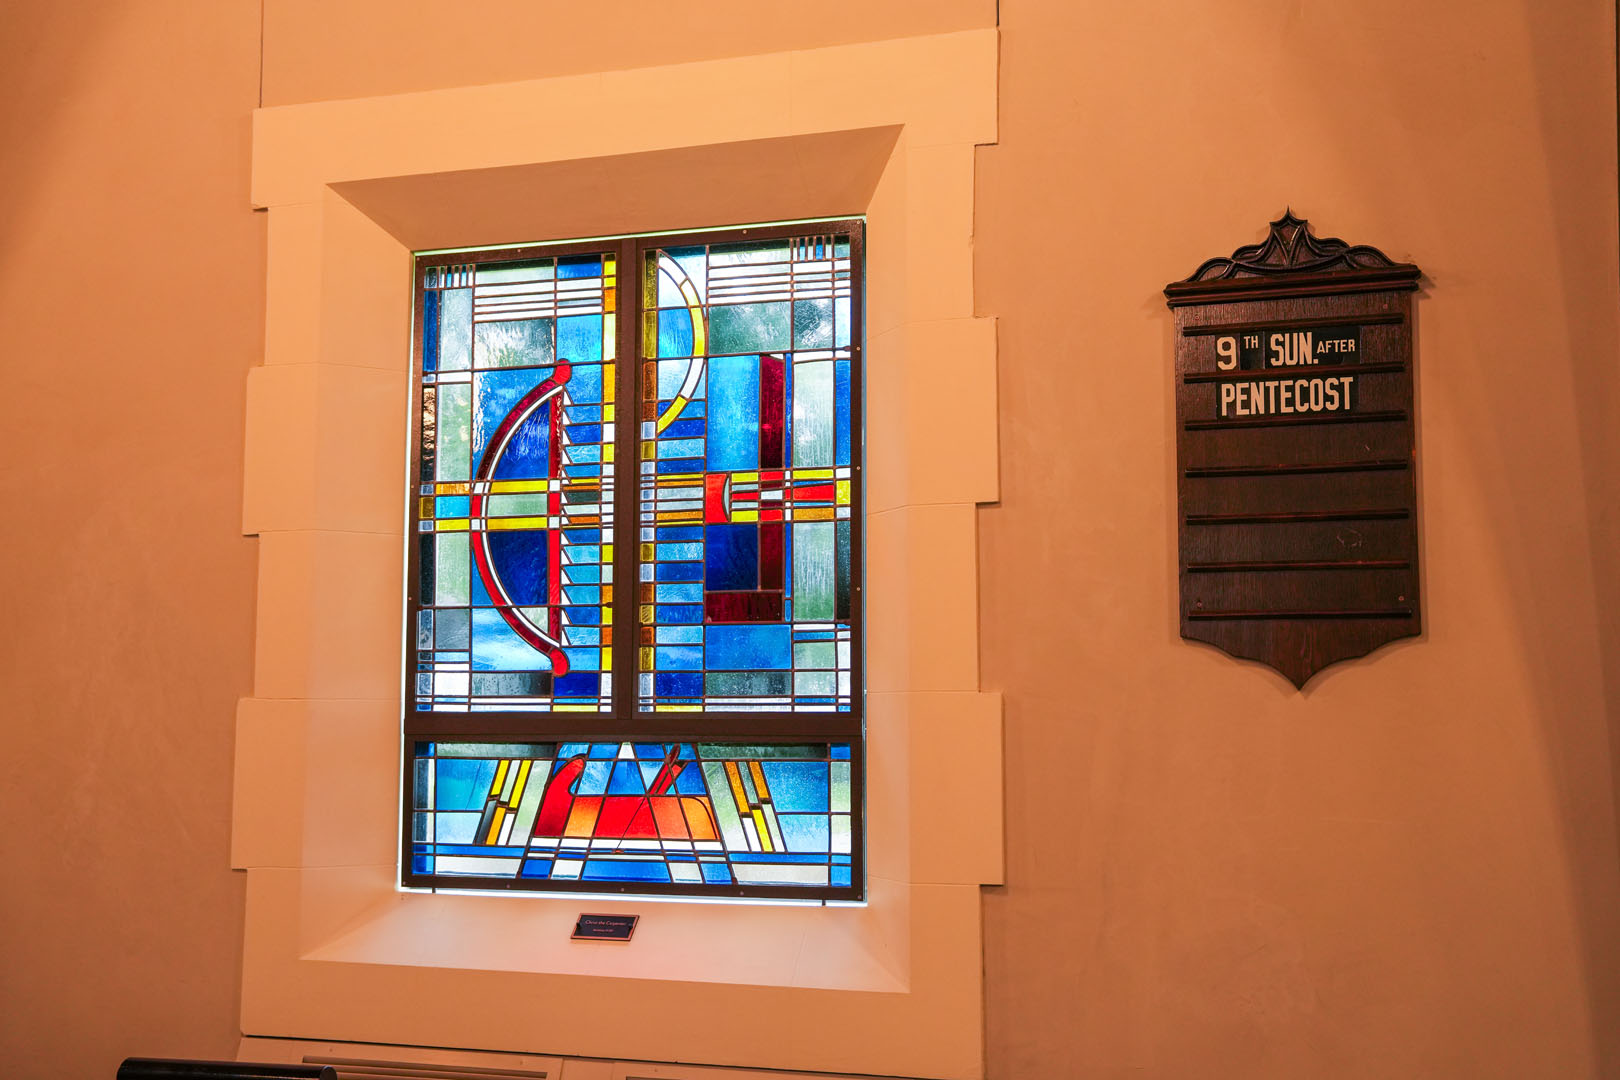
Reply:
x=1408, y=870
x=131, y=297
x=315, y=50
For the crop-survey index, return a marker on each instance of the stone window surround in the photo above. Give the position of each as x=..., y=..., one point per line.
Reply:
x=333, y=948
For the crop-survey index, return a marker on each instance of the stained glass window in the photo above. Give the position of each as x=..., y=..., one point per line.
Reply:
x=713, y=745
x=515, y=515
x=746, y=553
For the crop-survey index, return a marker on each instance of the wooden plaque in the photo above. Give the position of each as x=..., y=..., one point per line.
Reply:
x=1295, y=482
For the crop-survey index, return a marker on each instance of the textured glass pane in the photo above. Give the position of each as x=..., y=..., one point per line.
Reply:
x=706, y=814
x=813, y=571
x=813, y=414
x=455, y=329
x=453, y=430
x=525, y=343
x=520, y=573
x=748, y=328
x=747, y=485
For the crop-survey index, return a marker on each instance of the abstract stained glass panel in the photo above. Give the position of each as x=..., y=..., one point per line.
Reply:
x=639, y=814
x=746, y=477
x=514, y=557
x=714, y=748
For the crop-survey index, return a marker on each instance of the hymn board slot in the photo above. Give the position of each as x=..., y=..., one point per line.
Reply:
x=1296, y=485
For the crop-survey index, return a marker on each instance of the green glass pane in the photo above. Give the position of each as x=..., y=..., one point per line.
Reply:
x=454, y=432
x=840, y=785
x=524, y=505
x=746, y=328
x=813, y=572
x=455, y=329
x=494, y=750
x=813, y=414
x=813, y=324
x=746, y=683
x=815, y=683
x=740, y=751
x=814, y=654
x=749, y=251
x=452, y=586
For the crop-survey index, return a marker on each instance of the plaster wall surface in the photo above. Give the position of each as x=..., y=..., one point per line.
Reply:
x=315, y=51
x=1409, y=868
x=1406, y=870
x=131, y=297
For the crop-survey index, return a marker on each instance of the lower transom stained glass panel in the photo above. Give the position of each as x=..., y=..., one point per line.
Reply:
x=637, y=814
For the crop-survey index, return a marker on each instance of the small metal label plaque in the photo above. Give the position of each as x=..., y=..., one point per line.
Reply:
x=605, y=927
x=1295, y=447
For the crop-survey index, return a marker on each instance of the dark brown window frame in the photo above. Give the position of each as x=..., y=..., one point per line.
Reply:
x=626, y=722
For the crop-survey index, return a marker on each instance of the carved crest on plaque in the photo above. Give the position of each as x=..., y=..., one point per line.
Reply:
x=1296, y=486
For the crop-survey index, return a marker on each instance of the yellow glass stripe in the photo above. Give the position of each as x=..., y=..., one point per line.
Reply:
x=516, y=523
x=522, y=781
x=646, y=614
x=427, y=506
x=458, y=488
x=451, y=525
x=843, y=492
x=678, y=708
x=568, y=707
x=745, y=515
x=500, y=777
x=607, y=413
x=647, y=451
x=607, y=452
x=649, y=334
x=675, y=407
x=607, y=553
x=501, y=487
x=646, y=658
x=678, y=479
x=744, y=477
x=607, y=659
x=495, y=824
x=647, y=552
x=700, y=324
x=813, y=513
x=812, y=474
x=667, y=516
x=764, y=832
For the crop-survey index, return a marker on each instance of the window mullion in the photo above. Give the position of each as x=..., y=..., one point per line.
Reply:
x=627, y=482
